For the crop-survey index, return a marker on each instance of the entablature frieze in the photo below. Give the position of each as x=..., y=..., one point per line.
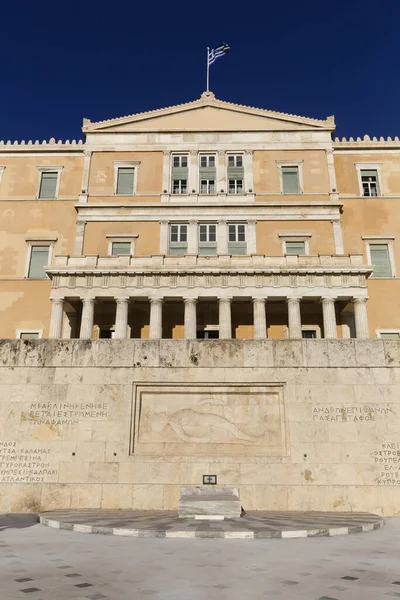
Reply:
x=311, y=283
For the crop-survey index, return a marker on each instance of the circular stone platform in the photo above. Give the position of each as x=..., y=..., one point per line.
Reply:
x=254, y=524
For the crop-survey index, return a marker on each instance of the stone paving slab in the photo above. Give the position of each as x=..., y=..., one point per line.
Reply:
x=256, y=525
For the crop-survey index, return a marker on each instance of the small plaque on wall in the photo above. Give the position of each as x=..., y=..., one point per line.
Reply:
x=209, y=480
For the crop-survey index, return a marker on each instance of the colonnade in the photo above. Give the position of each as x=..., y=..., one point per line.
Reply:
x=260, y=310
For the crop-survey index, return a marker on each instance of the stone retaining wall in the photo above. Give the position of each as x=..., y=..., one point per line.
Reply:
x=295, y=425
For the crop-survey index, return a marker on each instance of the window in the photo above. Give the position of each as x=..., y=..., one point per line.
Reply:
x=179, y=186
x=388, y=335
x=125, y=181
x=309, y=334
x=178, y=239
x=38, y=259
x=29, y=334
x=48, y=185
x=179, y=160
x=207, y=239
x=380, y=259
x=207, y=161
x=207, y=186
x=235, y=174
x=292, y=247
x=235, y=160
x=290, y=179
x=369, y=182
x=121, y=248
x=237, y=239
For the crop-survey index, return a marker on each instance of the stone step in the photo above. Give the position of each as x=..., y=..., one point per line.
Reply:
x=203, y=501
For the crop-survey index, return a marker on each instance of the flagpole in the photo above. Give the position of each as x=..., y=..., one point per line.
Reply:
x=208, y=71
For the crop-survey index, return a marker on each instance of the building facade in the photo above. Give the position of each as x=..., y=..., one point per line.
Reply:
x=202, y=220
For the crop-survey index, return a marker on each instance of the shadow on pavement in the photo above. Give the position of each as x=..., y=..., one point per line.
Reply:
x=18, y=520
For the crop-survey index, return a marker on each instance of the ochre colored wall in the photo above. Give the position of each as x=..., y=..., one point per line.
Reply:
x=347, y=177
x=37, y=219
x=21, y=176
x=267, y=178
x=149, y=175
x=268, y=241
x=24, y=305
x=147, y=243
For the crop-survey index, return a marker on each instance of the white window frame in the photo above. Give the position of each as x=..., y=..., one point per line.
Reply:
x=370, y=167
x=235, y=154
x=179, y=225
x=235, y=193
x=18, y=333
x=121, y=238
x=126, y=164
x=291, y=163
x=48, y=242
x=236, y=225
x=207, y=154
x=295, y=237
x=48, y=169
x=208, y=192
x=379, y=331
x=180, y=154
x=180, y=193
x=371, y=240
x=208, y=225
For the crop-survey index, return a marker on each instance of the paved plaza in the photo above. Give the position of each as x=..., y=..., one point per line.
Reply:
x=43, y=563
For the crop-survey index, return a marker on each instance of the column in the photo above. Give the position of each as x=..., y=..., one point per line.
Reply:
x=121, y=317
x=221, y=173
x=225, y=321
x=166, y=176
x=80, y=236
x=248, y=174
x=294, y=318
x=87, y=318
x=222, y=237
x=361, y=318
x=251, y=237
x=57, y=312
x=190, y=318
x=259, y=319
x=329, y=316
x=155, y=318
x=85, y=175
x=164, y=237
x=193, y=237
x=338, y=236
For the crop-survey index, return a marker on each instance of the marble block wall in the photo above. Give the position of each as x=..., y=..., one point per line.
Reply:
x=295, y=425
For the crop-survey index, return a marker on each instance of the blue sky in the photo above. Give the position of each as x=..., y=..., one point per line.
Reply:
x=65, y=61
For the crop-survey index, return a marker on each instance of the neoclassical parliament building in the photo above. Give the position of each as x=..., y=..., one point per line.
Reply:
x=207, y=219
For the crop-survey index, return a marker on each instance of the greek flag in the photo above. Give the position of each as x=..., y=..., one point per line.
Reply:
x=217, y=52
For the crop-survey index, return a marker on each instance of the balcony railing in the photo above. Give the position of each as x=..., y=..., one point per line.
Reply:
x=348, y=262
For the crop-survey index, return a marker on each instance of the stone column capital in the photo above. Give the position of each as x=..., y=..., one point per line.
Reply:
x=156, y=300
x=190, y=300
x=226, y=299
x=121, y=299
x=57, y=299
x=357, y=300
x=262, y=300
x=88, y=301
x=328, y=299
x=293, y=300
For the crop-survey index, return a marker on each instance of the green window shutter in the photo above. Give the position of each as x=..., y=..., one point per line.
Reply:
x=235, y=172
x=290, y=180
x=380, y=260
x=387, y=335
x=39, y=259
x=208, y=173
x=295, y=247
x=369, y=173
x=121, y=248
x=125, y=181
x=180, y=173
x=48, y=185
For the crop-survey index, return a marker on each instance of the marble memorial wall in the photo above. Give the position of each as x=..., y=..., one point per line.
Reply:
x=305, y=424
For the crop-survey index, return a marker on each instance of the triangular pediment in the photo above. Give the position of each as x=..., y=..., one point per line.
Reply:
x=209, y=114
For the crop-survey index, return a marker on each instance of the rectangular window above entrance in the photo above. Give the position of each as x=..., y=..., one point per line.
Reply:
x=207, y=239
x=237, y=238
x=178, y=239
